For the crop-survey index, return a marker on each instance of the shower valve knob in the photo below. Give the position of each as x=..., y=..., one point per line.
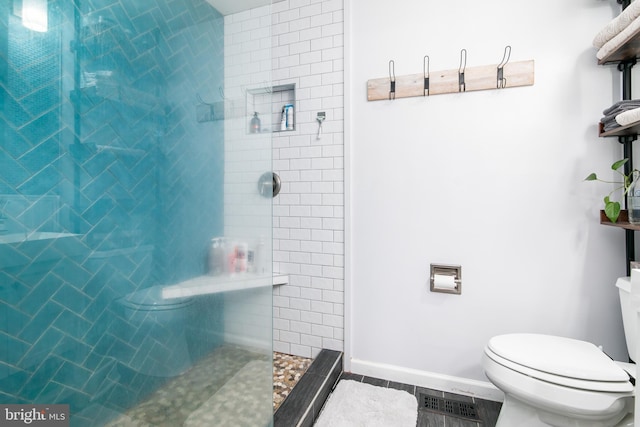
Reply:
x=269, y=184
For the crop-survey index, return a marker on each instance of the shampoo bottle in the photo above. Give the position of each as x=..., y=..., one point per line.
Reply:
x=216, y=257
x=283, y=119
x=254, y=124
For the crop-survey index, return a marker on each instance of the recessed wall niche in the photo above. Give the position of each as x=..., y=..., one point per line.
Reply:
x=271, y=104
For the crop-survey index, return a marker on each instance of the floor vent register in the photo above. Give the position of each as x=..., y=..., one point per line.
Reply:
x=448, y=407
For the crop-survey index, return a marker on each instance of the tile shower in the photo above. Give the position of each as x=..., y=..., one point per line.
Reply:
x=112, y=183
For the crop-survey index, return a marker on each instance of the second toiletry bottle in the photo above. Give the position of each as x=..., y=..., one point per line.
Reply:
x=283, y=120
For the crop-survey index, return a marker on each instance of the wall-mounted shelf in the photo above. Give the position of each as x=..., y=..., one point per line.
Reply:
x=628, y=130
x=623, y=221
x=629, y=48
x=625, y=55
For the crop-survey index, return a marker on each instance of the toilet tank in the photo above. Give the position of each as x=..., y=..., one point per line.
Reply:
x=629, y=310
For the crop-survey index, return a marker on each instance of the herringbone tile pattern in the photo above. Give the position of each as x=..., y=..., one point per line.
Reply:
x=100, y=142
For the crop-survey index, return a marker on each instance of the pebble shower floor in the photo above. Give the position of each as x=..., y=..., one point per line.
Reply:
x=181, y=401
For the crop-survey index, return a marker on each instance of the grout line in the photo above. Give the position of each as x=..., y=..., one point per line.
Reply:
x=306, y=412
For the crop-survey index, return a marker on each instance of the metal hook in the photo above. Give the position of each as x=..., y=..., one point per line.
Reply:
x=501, y=82
x=425, y=69
x=392, y=79
x=462, y=87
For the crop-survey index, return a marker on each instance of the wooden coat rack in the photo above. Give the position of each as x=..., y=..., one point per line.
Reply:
x=499, y=76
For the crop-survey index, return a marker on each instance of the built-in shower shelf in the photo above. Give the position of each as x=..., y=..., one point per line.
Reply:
x=31, y=247
x=205, y=285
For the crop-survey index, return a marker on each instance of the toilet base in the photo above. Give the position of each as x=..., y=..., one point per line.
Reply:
x=516, y=413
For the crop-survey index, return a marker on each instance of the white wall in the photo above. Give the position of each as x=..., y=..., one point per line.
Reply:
x=489, y=180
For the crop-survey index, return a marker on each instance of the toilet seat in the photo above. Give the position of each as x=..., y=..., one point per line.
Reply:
x=552, y=400
x=605, y=386
x=557, y=360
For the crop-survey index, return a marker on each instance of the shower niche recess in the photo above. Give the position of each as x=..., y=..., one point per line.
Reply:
x=272, y=104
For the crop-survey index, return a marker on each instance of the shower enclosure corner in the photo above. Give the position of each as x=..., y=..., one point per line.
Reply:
x=135, y=239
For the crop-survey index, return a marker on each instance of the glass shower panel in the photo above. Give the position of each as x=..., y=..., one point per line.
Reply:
x=135, y=243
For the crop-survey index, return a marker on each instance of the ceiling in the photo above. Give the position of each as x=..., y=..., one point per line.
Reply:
x=227, y=7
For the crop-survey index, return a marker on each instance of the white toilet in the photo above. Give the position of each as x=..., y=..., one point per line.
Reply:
x=562, y=382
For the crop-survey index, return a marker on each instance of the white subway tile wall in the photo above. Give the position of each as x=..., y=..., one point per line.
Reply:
x=247, y=219
x=307, y=40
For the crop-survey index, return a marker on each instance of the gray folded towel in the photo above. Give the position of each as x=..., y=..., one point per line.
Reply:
x=621, y=106
x=609, y=120
x=610, y=126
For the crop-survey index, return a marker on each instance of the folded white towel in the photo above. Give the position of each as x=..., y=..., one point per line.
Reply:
x=628, y=117
x=619, y=39
x=618, y=24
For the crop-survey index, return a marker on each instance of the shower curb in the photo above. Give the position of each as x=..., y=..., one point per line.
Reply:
x=302, y=406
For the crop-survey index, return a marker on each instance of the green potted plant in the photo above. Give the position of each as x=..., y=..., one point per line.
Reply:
x=612, y=208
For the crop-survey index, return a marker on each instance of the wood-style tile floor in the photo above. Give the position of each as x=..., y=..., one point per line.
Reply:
x=289, y=369
x=488, y=411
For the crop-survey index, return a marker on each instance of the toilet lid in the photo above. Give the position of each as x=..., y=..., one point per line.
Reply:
x=564, y=357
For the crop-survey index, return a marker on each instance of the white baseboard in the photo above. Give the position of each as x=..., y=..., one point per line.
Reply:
x=447, y=383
